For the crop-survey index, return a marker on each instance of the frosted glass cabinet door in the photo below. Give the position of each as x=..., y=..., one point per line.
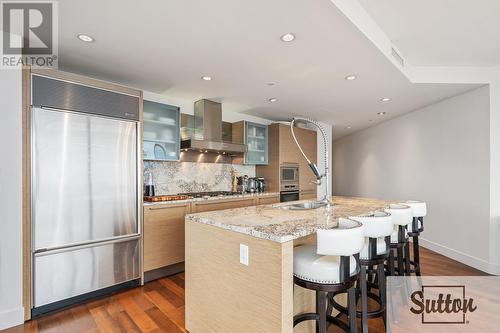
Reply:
x=256, y=139
x=161, y=132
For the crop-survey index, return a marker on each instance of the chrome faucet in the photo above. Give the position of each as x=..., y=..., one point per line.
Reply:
x=314, y=167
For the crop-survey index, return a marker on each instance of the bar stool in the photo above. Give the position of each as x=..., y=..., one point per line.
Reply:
x=419, y=211
x=330, y=266
x=402, y=215
x=378, y=229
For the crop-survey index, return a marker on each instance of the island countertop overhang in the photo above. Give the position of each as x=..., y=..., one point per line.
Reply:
x=280, y=225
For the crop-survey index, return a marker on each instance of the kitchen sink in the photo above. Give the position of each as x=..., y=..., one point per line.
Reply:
x=305, y=205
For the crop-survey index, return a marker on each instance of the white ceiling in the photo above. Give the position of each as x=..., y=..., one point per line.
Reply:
x=167, y=45
x=441, y=32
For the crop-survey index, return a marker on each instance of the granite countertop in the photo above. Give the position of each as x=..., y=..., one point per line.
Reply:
x=282, y=225
x=221, y=197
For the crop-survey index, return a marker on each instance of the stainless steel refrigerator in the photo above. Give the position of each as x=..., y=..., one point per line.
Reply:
x=85, y=194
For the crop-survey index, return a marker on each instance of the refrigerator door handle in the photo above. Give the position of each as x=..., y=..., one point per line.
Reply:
x=84, y=245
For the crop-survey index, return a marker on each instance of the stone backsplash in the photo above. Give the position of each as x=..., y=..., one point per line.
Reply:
x=182, y=177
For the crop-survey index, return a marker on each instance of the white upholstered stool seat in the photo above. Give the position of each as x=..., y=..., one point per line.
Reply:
x=419, y=208
x=410, y=226
x=330, y=266
x=394, y=235
x=378, y=225
x=381, y=248
x=402, y=216
x=310, y=266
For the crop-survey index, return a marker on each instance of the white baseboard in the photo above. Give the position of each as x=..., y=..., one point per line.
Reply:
x=12, y=317
x=464, y=258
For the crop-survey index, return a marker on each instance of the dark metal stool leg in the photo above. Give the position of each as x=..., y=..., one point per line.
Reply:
x=407, y=258
x=391, y=263
x=416, y=255
x=321, y=310
x=329, y=307
x=400, y=261
x=351, y=292
x=382, y=292
x=364, y=299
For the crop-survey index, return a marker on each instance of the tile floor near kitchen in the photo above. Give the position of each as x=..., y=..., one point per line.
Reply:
x=158, y=306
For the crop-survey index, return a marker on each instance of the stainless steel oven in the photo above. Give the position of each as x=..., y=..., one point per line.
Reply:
x=289, y=176
x=289, y=196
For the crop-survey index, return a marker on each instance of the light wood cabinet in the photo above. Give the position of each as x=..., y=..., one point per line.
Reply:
x=164, y=235
x=267, y=200
x=307, y=195
x=164, y=226
x=211, y=205
x=282, y=149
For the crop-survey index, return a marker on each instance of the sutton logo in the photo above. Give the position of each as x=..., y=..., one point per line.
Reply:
x=453, y=302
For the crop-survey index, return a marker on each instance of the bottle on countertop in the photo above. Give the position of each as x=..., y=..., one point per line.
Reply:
x=149, y=187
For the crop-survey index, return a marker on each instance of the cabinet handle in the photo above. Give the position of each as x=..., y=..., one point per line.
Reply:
x=166, y=207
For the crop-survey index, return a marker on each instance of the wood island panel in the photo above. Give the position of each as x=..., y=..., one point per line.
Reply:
x=223, y=295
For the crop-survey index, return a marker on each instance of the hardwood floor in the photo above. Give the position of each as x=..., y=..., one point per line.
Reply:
x=159, y=306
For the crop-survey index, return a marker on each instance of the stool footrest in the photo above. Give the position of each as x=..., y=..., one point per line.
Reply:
x=297, y=319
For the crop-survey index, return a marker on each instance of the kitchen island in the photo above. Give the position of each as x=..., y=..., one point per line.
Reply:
x=229, y=291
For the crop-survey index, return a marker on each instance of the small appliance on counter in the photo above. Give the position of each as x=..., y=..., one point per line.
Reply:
x=242, y=182
x=261, y=184
x=239, y=186
x=252, y=185
x=149, y=187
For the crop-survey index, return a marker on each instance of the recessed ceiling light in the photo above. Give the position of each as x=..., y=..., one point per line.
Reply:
x=385, y=99
x=206, y=78
x=348, y=127
x=381, y=113
x=288, y=37
x=351, y=77
x=85, y=38
x=272, y=100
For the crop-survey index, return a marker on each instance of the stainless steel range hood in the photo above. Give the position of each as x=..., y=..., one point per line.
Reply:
x=207, y=133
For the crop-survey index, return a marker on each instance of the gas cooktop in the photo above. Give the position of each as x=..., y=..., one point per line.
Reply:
x=209, y=194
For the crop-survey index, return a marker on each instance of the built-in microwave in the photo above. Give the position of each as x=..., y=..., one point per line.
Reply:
x=289, y=176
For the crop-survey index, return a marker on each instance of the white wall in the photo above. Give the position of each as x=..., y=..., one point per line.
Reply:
x=439, y=154
x=11, y=307
x=495, y=171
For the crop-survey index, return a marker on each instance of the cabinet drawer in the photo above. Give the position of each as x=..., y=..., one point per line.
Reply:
x=199, y=207
x=268, y=200
x=164, y=235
